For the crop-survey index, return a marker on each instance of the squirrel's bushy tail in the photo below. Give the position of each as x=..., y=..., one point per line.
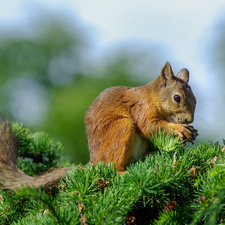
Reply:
x=11, y=177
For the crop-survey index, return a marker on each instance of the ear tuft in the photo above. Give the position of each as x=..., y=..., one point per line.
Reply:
x=167, y=72
x=183, y=75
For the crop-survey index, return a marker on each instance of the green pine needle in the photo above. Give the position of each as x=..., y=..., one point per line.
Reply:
x=160, y=141
x=176, y=185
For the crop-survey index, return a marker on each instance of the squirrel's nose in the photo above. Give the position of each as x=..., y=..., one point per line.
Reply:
x=190, y=119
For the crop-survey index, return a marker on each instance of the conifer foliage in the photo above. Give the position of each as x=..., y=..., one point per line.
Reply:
x=172, y=185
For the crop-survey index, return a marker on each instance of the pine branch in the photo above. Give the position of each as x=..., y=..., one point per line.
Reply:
x=175, y=185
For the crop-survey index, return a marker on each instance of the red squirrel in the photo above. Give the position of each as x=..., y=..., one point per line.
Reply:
x=117, y=123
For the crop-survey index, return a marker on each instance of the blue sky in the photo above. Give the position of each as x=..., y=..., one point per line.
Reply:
x=180, y=26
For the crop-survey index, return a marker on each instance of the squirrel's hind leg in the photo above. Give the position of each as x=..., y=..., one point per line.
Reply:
x=117, y=142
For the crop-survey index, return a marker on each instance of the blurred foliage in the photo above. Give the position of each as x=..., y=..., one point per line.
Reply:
x=49, y=77
x=214, y=54
x=216, y=50
x=216, y=58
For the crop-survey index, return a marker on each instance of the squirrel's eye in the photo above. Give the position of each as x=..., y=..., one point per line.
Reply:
x=177, y=98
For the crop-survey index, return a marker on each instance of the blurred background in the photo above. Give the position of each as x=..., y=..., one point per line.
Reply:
x=56, y=56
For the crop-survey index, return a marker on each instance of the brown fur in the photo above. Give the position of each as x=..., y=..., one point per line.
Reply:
x=120, y=115
x=118, y=124
x=11, y=177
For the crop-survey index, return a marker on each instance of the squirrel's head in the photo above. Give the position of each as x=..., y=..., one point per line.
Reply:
x=176, y=100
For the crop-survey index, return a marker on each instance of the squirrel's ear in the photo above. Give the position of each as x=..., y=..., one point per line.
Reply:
x=167, y=72
x=183, y=75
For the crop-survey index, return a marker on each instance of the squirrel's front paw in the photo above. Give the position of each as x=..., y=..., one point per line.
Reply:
x=194, y=133
x=185, y=132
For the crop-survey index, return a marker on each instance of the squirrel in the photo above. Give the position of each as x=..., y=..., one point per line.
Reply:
x=118, y=125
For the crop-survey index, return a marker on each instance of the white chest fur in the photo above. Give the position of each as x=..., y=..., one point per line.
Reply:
x=138, y=150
